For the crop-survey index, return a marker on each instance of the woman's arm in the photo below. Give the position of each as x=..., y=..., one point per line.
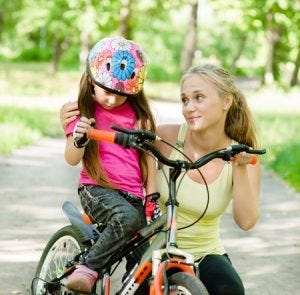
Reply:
x=151, y=175
x=68, y=113
x=246, y=191
x=168, y=133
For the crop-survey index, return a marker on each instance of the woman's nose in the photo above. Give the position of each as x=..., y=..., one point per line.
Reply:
x=190, y=106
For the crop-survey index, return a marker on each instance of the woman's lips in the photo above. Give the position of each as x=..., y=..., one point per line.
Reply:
x=193, y=118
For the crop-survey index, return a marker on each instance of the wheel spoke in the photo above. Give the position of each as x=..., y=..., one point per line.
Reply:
x=61, y=249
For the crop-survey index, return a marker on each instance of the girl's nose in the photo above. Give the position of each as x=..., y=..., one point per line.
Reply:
x=112, y=98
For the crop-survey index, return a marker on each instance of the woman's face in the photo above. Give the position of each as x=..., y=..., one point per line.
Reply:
x=202, y=106
x=108, y=100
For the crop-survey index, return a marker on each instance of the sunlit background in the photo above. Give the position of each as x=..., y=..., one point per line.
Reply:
x=43, y=49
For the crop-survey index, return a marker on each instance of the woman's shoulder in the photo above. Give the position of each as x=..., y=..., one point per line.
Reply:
x=168, y=132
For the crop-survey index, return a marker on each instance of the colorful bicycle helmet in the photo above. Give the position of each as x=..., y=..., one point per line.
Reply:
x=117, y=65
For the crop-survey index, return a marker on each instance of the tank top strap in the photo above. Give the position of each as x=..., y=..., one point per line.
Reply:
x=181, y=136
x=175, y=154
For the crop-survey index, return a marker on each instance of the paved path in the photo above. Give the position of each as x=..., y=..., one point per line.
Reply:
x=35, y=181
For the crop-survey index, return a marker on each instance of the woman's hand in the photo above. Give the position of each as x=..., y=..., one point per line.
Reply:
x=68, y=113
x=243, y=159
x=246, y=188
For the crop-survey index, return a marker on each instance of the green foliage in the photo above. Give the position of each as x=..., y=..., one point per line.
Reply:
x=69, y=60
x=234, y=34
x=35, y=54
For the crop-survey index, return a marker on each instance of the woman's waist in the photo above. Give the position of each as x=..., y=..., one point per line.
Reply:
x=201, y=246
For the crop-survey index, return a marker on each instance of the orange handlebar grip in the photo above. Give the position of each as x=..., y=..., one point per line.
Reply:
x=101, y=135
x=253, y=160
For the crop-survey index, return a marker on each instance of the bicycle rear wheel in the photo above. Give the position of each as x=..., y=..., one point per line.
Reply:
x=64, y=245
x=182, y=283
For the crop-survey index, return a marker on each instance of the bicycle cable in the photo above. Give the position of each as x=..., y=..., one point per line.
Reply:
x=202, y=176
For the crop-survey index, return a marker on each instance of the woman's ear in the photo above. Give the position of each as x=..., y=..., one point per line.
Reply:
x=227, y=102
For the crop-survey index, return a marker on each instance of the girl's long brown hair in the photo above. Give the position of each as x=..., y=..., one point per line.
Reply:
x=91, y=160
x=239, y=124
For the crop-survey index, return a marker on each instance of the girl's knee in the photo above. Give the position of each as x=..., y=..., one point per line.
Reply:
x=133, y=219
x=129, y=218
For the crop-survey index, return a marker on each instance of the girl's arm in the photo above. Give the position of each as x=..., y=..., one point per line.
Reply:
x=246, y=191
x=74, y=154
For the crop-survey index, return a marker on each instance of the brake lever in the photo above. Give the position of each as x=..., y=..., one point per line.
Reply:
x=232, y=150
x=140, y=133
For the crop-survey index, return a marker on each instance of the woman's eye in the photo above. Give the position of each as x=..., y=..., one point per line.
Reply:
x=199, y=97
x=184, y=100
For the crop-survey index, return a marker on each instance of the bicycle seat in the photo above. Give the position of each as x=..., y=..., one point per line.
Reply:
x=88, y=231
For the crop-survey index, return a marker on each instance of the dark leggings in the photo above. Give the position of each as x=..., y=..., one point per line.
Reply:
x=219, y=276
x=121, y=213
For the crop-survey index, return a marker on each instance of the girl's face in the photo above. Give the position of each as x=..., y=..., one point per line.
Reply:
x=108, y=100
x=202, y=106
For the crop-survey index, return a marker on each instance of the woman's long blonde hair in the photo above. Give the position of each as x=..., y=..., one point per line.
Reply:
x=145, y=120
x=239, y=124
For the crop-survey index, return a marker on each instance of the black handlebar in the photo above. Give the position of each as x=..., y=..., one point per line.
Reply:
x=142, y=139
x=140, y=133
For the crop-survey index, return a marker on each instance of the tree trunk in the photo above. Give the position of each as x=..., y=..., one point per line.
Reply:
x=294, y=80
x=190, y=41
x=242, y=44
x=124, y=26
x=59, y=47
x=273, y=38
x=88, y=15
x=84, y=49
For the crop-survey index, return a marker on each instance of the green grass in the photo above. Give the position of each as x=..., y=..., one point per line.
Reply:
x=23, y=126
x=279, y=134
x=35, y=80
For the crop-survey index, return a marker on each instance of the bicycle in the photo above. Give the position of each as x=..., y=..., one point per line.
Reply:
x=163, y=268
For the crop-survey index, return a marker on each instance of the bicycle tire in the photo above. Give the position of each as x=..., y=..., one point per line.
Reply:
x=182, y=283
x=63, y=246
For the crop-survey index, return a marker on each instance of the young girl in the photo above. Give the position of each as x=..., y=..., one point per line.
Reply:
x=114, y=180
x=217, y=116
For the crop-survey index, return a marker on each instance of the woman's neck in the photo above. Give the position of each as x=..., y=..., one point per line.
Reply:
x=205, y=142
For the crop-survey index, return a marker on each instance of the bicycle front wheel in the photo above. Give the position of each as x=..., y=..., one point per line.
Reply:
x=182, y=283
x=64, y=245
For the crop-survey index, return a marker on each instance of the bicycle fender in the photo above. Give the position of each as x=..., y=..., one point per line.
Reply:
x=88, y=231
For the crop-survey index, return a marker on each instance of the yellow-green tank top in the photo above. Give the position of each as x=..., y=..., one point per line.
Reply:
x=203, y=237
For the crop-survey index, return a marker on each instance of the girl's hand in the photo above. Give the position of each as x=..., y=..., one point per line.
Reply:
x=68, y=112
x=243, y=159
x=80, y=130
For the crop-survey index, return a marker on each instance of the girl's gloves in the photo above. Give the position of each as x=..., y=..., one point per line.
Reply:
x=80, y=132
x=79, y=142
x=152, y=210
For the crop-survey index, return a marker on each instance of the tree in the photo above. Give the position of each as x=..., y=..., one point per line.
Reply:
x=125, y=16
x=294, y=80
x=190, y=40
